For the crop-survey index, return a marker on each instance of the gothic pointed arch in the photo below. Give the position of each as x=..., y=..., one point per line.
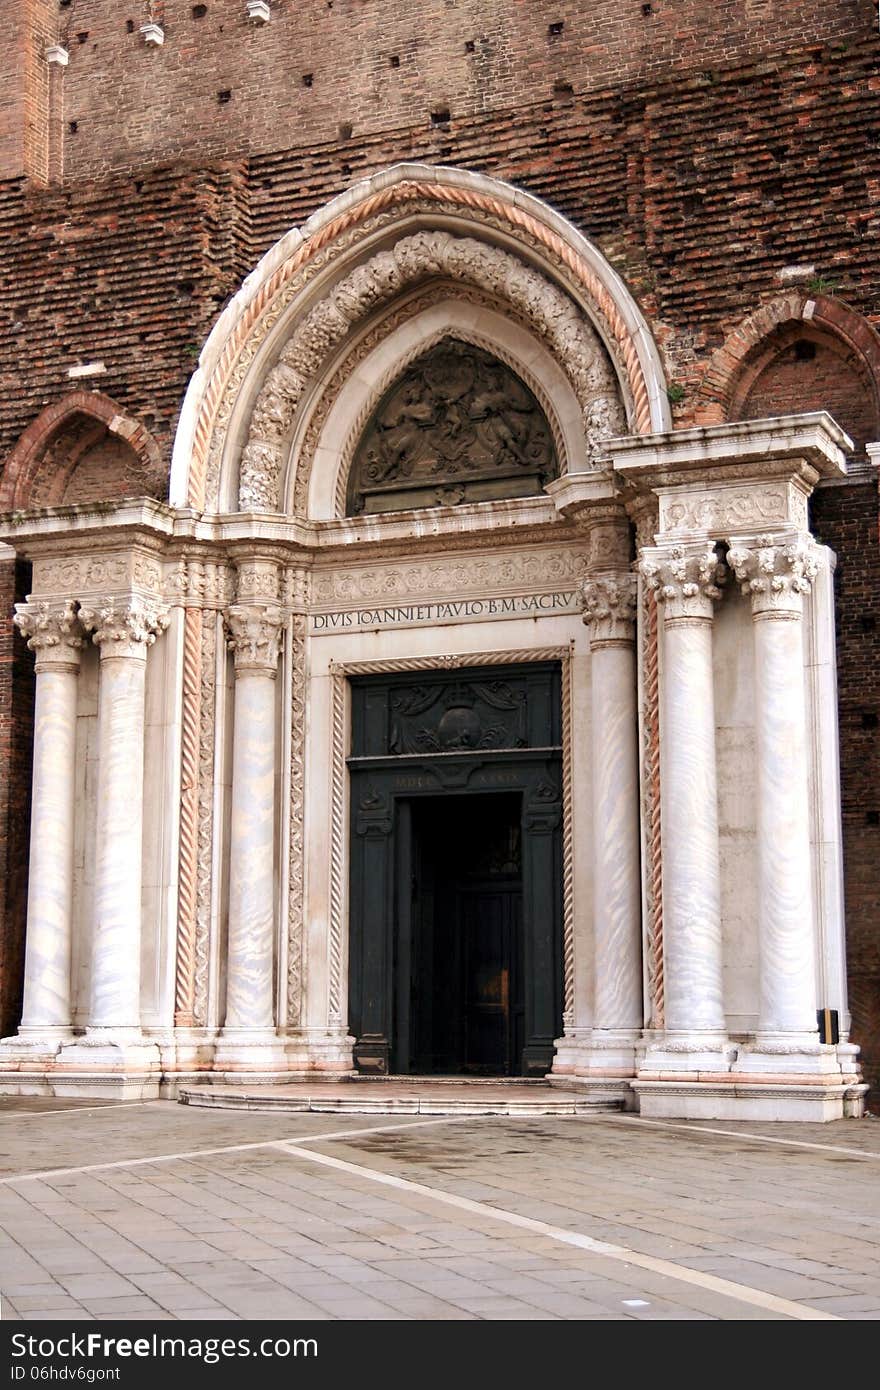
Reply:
x=82, y=448
x=360, y=260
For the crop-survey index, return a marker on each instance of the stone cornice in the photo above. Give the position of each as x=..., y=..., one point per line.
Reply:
x=65, y=530
x=811, y=446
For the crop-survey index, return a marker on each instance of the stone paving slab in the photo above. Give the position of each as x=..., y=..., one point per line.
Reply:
x=236, y=1216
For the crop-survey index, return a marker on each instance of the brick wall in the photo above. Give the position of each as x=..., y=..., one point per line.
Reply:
x=28, y=27
x=221, y=85
x=846, y=519
x=16, y=751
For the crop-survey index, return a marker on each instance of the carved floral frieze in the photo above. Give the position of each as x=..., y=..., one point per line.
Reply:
x=729, y=508
x=522, y=572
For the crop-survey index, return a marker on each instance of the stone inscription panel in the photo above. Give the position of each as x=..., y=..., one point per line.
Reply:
x=454, y=611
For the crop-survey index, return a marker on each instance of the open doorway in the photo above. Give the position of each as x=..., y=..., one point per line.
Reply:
x=459, y=943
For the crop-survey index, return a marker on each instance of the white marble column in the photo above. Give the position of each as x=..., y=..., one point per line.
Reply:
x=609, y=612
x=53, y=632
x=777, y=578
x=249, y=1038
x=685, y=580
x=123, y=630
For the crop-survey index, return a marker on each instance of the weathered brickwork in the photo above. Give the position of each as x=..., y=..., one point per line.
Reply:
x=846, y=519
x=221, y=84
x=16, y=747
x=705, y=149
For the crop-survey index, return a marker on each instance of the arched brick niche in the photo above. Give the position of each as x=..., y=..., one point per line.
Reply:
x=798, y=353
x=82, y=449
x=800, y=368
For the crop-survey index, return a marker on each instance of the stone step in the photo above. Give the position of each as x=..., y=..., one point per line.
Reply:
x=391, y=1097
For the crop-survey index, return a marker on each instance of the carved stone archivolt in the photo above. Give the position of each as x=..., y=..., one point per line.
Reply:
x=457, y=426
x=555, y=317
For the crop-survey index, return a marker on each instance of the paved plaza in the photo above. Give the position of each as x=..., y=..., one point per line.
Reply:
x=160, y=1211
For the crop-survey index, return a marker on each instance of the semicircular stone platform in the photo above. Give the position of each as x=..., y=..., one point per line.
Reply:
x=398, y=1096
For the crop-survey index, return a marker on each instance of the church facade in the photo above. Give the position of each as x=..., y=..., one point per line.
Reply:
x=452, y=692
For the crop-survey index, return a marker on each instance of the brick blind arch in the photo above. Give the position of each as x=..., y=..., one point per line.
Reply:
x=800, y=367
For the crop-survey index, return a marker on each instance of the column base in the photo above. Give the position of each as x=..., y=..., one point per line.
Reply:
x=680, y=1053
x=328, y=1051
x=600, y=1064
x=29, y=1045
x=251, y=1050
x=117, y=1063
x=793, y=1054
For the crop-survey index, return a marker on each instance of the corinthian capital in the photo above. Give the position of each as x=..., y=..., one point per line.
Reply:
x=254, y=636
x=52, y=630
x=125, y=627
x=775, y=577
x=686, y=580
x=610, y=609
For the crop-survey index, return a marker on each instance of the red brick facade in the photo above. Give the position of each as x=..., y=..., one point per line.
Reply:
x=706, y=149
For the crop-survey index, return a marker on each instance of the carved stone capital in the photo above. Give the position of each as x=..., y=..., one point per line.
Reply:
x=775, y=577
x=686, y=580
x=610, y=609
x=254, y=637
x=124, y=627
x=52, y=630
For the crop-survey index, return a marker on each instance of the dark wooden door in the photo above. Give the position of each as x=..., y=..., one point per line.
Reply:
x=490, y=927
x=455, y=926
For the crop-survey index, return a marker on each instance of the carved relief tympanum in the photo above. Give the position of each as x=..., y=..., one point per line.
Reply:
x=458, y=426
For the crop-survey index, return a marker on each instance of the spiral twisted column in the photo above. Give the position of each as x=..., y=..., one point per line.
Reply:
x=54, y=634
x=685, y=580
x=249, y=1039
